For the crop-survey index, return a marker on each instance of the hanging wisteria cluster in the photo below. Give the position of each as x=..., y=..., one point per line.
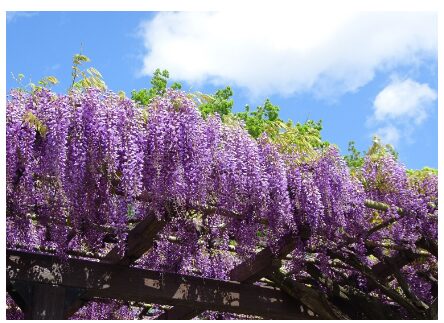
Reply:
x=83, y=168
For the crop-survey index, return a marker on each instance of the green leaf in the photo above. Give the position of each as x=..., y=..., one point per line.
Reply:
x=94, y=72
x=79, y=58
x=52, y=79
x=32, y=120
x=130, y=211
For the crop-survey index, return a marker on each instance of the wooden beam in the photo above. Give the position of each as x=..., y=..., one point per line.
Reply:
x=351, y=301
x=384, y=269
x=140, y=239
x=179, y=313
x=311, y=298
x=429, y=245
x=41, y=301
x=353, y=261
x=248, y=271
x=47, y=303
x=21, y=293
x=134, y=284
x=260, y=264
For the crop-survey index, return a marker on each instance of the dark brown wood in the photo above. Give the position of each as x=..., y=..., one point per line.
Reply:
x=433, y=310
x=179, y=313
x=384, y=269
x=38, y=301
x=351, y=301
x=133, y=284
x=429, y=245
x=140, y=239
x=47, y=303
x=353, y=261
x=311, y=298
x=260, y=265
x=21, y=293
x=248, y=271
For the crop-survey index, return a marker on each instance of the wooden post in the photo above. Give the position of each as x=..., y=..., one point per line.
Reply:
x=47, y=303
x=42, y=301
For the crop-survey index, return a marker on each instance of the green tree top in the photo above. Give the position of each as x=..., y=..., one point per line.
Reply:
x=355, y=159
x=159, y=84
x=220, y=103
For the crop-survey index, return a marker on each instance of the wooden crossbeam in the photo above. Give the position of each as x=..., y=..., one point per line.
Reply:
x=311, y=298
x=352, y=301
x=133, y=284
x=140, y=239
x=384, y=269
x=429, y=245
x=47, y=301
x=259, y=265
x=248, y=271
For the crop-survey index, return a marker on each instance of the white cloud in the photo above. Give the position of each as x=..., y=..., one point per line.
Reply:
x=286, y=52
x=404, y=99
x=389, y=135
x=400, y=107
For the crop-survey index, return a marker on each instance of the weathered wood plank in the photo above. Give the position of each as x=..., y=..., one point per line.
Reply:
x=384, y=269
x=249, y=271
x=21, y=293
x=260, y=264
x=134, y=284
x=179, y=313
x=47, y=302
x=140, y=240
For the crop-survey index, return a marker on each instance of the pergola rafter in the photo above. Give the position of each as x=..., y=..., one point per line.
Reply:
x=134, y=284
x=47, y=287
x=140, y=239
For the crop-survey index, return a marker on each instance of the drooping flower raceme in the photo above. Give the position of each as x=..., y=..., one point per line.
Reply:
x=83, y=167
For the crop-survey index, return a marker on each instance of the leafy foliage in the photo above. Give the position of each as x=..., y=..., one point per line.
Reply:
x=220, y=103
x=264, y=119
x=33, y=121
x=159, y=86
x=48, y=80
x=90, y=77
x=87, y=164
x=45, y=82
x=305, y=137
x=422, y=173
x=419, y=177
x=356, y=159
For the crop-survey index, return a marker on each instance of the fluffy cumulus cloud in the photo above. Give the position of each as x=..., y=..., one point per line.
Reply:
x=400, y=106
x=286, y=52
x=405, y=99
x=389, y=134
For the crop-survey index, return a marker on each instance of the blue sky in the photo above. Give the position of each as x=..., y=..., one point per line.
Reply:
x=361, y=73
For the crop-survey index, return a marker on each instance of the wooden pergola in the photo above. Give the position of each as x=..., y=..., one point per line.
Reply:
x=45, y=286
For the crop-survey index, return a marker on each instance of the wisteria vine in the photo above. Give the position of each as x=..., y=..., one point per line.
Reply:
x=82, y=168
